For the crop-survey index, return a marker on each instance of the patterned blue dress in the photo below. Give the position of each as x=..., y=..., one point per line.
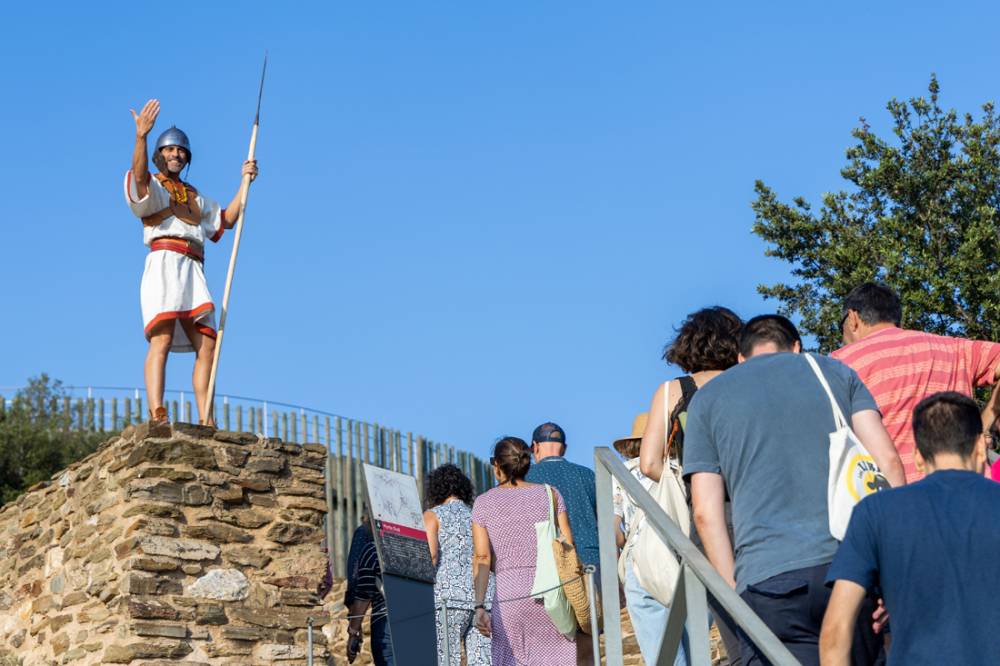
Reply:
x=453, y=584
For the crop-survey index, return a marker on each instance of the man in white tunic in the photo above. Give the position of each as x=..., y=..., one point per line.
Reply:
x=177, y=309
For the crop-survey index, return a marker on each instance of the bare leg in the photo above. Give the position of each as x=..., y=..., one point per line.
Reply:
x=160, y=339
x=204, y=349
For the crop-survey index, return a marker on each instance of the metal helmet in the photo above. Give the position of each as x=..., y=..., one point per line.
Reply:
x=174, y=137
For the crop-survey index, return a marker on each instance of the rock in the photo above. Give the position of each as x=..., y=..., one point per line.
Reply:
x=191, y=569
x=277, y=618
x=289, y=581
x=289, y=533
x=156, y=510
x=241, y=517
x=262, y=501
x=217, y=533
x=258, y=465
x=74, y=598
x=258, y=484
x=185, y=549
x=210, y=614
x=242, y=633
x=169, y=473
x=221, y=585
x=306, y=489
x=160, y=630
x=194, y=430
x=196, y=495
x=315, y=448
x=162, y=649
x=149, y=609
x=231, y=456
x=229, y=493
x=247, y=556
x=299, y=598
x=243, y=438
x=275, y=652
x=153, y=564
x=154, y=489
x=137, y=582
x=60, y=621
x=298, y=502
x=74, y=654
x=174, y=451
x=59, y=644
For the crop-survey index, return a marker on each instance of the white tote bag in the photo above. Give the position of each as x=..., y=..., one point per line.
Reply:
x=547, y=585
x=656, y=566
x=853, y=472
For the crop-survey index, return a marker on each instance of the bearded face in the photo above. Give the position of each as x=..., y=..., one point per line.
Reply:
x=171, y=160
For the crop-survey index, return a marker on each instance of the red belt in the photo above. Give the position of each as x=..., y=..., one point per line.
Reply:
x=188, y=248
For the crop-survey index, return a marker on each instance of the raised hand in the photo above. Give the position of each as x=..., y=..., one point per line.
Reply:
x=145, y=119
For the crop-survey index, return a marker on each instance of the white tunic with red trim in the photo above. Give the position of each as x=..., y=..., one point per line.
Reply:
x=173, y=284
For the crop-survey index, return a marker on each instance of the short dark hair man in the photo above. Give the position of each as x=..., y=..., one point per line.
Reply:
x=930, y=547
x=901, y=367
x=761, y=429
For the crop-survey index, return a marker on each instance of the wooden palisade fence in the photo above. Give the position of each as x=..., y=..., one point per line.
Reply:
x=349, y=444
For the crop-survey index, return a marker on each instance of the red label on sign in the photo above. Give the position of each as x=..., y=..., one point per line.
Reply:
x=403, y=530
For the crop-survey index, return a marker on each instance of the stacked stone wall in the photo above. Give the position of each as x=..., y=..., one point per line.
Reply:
x=174, y=544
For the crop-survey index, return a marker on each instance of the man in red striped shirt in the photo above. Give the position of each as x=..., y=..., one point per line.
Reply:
x=902, y=367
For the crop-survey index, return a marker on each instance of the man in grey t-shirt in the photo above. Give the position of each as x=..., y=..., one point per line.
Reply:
x=762, y=429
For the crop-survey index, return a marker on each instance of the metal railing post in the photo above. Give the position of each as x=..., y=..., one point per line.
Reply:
x=609, y=567
x=595, y=630
x=309, y=643
x=697, y=618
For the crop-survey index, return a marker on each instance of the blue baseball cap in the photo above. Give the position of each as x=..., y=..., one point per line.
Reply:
x=548, y=432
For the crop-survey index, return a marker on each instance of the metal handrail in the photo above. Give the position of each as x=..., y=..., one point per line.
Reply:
x=697, y=578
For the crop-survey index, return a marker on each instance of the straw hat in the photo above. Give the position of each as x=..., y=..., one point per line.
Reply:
x=638, y=428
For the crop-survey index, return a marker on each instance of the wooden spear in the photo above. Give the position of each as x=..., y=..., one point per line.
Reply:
x=244, y=192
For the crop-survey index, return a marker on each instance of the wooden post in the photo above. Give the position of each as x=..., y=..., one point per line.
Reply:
x=409, y=453
x=140, y=415
x=359, y=491
x=338, y=517
x=399, y=450
x=90, y=414
x=176, y=412
x=349, y=483
x=295, y=427
x=316, y=436
x=284, y=426
x=225, y=415
x=187, y=411
x=367, y=456
x=114, y=413
x=79, y=413
x=420, y=467
x=253, y=414
x=239, y=418
x=305, y=429
x=127, y=419
x=100, y=415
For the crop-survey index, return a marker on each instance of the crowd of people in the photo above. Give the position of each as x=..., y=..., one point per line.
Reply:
x=743, y=439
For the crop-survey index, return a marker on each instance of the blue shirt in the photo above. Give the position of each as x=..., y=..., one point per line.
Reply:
x=932, y=548
x=765, y=426
x=578, y=487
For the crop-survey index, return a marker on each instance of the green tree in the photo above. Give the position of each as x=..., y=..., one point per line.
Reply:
x=36, y=439
x=920, y=215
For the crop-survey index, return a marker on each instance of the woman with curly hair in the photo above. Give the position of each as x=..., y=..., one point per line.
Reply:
x=449, y=533
x=706, y=344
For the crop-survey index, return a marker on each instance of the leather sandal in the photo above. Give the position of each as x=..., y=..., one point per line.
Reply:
x=158, y=416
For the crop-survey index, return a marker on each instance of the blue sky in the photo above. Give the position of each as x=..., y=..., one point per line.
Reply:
x=472, y=217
